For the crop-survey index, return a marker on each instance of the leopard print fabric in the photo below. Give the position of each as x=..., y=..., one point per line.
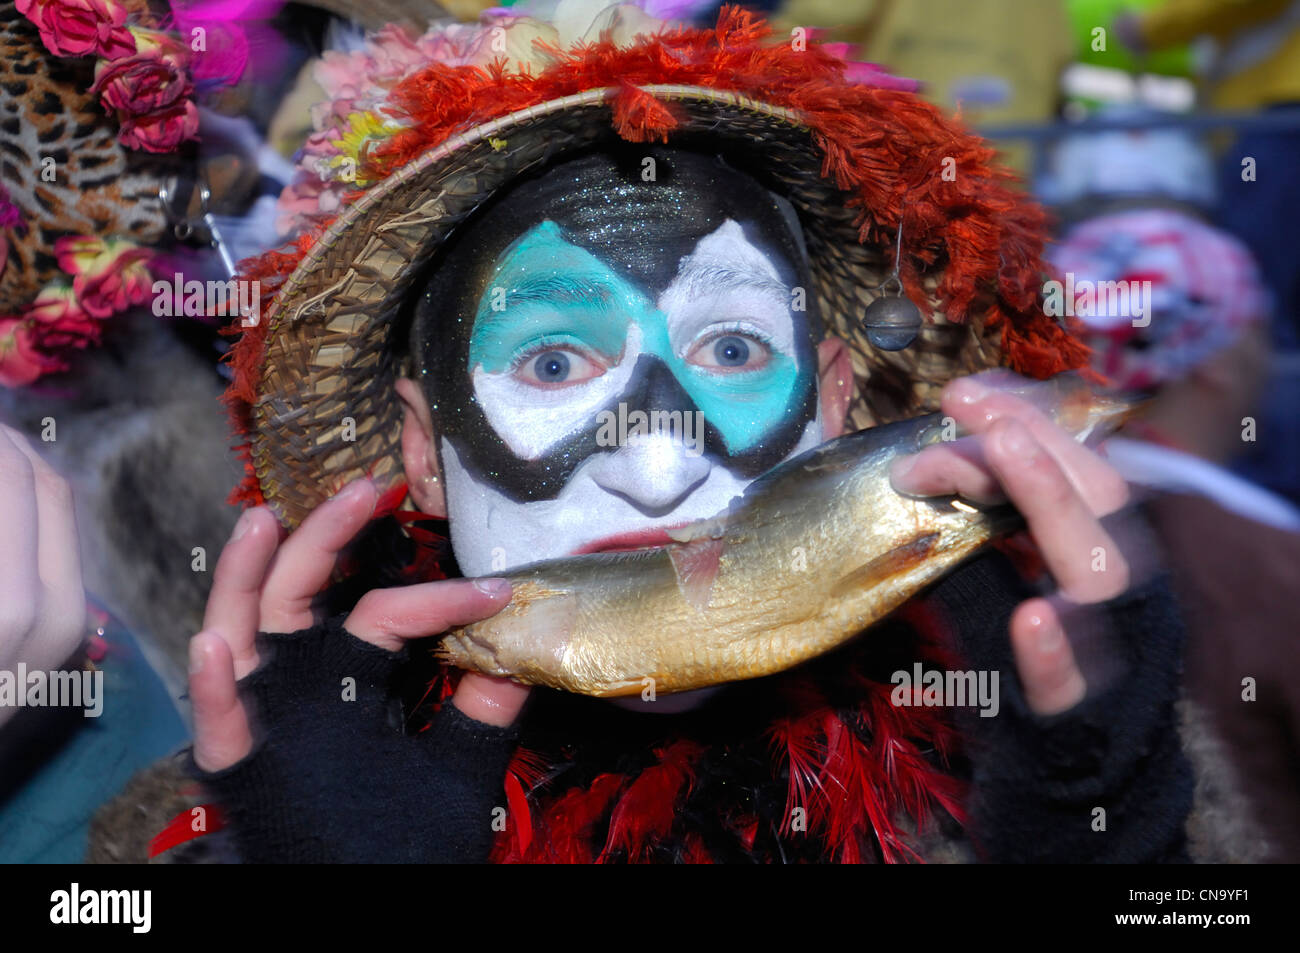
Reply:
x=99, y=187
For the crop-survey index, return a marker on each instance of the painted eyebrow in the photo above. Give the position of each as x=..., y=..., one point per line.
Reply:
x=702, y=280
x=561, y=289
x=564, y=290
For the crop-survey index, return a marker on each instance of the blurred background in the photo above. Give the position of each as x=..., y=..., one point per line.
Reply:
x=1111, y=105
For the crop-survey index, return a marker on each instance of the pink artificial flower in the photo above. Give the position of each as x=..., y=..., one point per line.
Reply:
x=326, y=142
x=20, y=360
x=77, y=253
x=81, y=27
x=60, y=321
x=394, y=53
x=358, y=84
x=463, y=44
x=307, y=199
x=868, y=74
x=360, y=79
x=161, y=131
x=108, y=276
x=152, y=80
x=226, y=36
x=57, y=305
x=128, y=282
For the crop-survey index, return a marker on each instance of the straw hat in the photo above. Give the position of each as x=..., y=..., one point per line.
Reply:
x=853, y=152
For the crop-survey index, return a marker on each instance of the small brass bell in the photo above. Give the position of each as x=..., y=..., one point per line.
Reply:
x=891, y=322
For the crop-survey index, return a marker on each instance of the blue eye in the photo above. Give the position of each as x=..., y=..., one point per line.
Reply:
x=551, y=367
x=731, y=351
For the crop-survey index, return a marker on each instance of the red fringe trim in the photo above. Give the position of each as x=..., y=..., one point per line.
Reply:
x=246, y=357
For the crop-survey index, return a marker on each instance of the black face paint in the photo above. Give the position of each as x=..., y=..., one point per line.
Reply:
x=642, y=230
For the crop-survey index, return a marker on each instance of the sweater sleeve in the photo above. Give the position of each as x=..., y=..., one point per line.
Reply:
x=334, y=779
x=1106, y=781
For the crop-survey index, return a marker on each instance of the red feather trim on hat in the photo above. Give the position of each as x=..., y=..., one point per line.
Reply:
x=885, y=147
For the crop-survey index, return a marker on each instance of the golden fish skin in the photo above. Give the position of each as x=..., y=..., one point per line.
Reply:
x=813, y=553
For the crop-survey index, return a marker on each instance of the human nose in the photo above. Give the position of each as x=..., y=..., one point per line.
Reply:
x=653, y=472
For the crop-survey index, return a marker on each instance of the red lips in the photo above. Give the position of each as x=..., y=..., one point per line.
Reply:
x=648, y=538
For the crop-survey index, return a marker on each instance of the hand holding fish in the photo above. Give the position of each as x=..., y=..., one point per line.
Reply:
x=261, y=584
x=1062, y=488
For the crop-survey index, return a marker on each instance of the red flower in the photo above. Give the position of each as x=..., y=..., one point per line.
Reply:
x=108, y=275
x=60, y=337
x=115, y=289
x=152, y=81
x=81, y=27
x=20, y=361
x=161, y=131
x=60, y=319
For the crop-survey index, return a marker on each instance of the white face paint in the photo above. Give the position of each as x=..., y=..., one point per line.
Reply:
x=531, y=420
x=630, y=495
x=646, y=487
x=727, y=276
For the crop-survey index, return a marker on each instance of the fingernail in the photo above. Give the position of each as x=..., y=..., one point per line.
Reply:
x=492, y=587
x=1050, y=637
x=901, y=467
x=241, y=526
x=969, y=391
x=1017, y=442
x=196, y=656
x=352, y=491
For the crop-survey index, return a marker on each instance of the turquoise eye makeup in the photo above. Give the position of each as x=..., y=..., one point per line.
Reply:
x=554, y=313
x=589, y=292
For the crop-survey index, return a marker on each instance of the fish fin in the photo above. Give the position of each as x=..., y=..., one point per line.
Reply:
x=696, y=565
x=709, y=529
x=900, y=558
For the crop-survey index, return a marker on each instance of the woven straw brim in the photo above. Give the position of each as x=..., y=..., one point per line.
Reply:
x=334, y=340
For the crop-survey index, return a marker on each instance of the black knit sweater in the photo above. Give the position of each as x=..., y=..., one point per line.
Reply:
x=1038, y=782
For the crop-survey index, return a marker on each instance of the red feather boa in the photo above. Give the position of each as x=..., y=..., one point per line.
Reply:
x=855, y=800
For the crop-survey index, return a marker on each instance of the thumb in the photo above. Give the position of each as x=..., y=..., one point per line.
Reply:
x=1048, y=671
x=221, y=733
x=494, y=701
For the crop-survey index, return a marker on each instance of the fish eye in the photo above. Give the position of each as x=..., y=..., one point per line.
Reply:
x=731, y=351
x=554, y=366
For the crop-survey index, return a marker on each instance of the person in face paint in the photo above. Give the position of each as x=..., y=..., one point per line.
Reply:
x=672, y=300
x=587, y=298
